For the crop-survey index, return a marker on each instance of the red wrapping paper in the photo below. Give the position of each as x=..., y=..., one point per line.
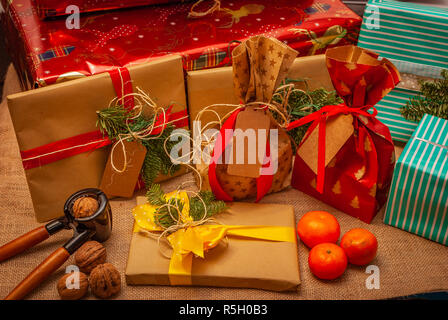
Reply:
x=357, y=179
x=46, y=52
x=52, y=8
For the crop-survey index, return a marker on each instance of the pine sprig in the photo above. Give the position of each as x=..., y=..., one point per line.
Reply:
x=112, y=121
x=213, y=206
x=433, y=100
x=301, y=104
x=164, y=216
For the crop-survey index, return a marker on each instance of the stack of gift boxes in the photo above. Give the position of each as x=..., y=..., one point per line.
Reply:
x=230, y=66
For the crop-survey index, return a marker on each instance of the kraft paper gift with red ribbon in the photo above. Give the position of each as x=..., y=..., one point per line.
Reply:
x=346, y=158
x=61, y=146
x=260, y=64
x=45, y=52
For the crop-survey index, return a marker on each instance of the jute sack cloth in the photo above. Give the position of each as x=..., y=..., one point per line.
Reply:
x=407, y=263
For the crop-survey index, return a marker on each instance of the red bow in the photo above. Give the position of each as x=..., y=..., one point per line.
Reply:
x=319, y=118
x=264, y=181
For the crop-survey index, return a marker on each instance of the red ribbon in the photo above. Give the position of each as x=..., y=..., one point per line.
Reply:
x=320, y=118
x=94, y=140
x=264, y=181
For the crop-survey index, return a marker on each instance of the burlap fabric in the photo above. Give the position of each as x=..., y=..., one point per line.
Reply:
x=408, y=264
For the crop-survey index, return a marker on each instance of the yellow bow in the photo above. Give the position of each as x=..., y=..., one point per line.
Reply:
x=195, y=240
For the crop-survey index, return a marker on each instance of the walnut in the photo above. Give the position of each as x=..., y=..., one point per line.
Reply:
x=89, y=255
x=84, y=207
x=76, y=292
x=105, y=281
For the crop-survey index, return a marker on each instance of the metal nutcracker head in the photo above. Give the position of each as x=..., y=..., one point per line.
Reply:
x=100, y=223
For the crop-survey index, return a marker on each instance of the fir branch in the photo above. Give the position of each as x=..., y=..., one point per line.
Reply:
x=433, y=100
x=112, y=121
x=164, y=215
x=212, y=205
x=303, y=103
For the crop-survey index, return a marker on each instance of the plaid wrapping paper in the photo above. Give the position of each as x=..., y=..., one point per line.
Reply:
x=111, y=39
x=418, y=199
x=52, y=8
x=414, y=38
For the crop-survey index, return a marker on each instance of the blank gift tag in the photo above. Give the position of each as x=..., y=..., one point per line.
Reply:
x=252, y=123
x=338, y=130
x=118, y=184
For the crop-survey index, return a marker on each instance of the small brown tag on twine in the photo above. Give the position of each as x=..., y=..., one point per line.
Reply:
x=245, y=143
x=122, y=184
x=338, y=130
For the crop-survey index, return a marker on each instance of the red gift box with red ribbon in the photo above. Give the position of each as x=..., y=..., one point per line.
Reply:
x=47, y=52
x=346, y=158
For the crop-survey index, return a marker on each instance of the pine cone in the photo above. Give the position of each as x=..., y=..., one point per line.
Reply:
x=89, y=255
x=73, y=293
x=105, y=281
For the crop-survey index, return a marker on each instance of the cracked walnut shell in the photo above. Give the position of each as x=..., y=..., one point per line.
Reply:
x=76, y=292
x=90, y=255
x=84, y=207
x=105, y=281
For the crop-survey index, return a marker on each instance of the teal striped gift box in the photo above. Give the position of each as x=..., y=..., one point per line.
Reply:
x=418, y=198
x=415, y=38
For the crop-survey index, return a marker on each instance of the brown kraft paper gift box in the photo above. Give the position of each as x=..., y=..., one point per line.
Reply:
x=243, y=263
x=215, y=86
x=65, y=110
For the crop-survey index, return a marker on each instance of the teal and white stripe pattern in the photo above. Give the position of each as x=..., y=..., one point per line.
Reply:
x=407, y=32
x=389, y=114
x=415, y=38
x=418, y=198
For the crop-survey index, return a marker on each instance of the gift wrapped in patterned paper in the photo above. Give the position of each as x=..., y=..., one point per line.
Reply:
x=414, y=37
x=418, y=199
x=346, y=157
x=52, y=8
x=46, y=52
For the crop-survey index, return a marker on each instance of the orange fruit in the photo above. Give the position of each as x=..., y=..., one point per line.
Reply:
x=360, y=246
x=327, y=261
x=318, y=227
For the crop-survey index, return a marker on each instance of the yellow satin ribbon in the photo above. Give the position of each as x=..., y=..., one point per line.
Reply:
x=196, y=240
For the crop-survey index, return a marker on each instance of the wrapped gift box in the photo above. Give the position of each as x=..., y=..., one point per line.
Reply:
x=215, y=86
x=52, y=8
x=49, y=121
x=242, y=262
x=46, y=52
x=418, y=200
x=414, y=37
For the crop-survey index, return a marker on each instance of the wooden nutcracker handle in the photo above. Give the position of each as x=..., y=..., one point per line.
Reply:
x=24, y=242
x=38, y=275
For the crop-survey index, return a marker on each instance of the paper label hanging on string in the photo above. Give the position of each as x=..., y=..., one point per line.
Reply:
x=122, y=184
x=338, y=130
x=250, y=134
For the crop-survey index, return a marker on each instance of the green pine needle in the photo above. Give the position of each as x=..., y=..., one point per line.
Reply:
x=433, y=100
x=163, y=216
x=112, y=121
x=300, y=105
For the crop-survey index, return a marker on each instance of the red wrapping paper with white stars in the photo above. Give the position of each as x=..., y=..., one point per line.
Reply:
x=51, y=8
x=46, y=52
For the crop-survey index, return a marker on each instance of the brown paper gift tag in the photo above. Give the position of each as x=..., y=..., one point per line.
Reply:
x=249, y=121
x=338, y=130
x=122, y=184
